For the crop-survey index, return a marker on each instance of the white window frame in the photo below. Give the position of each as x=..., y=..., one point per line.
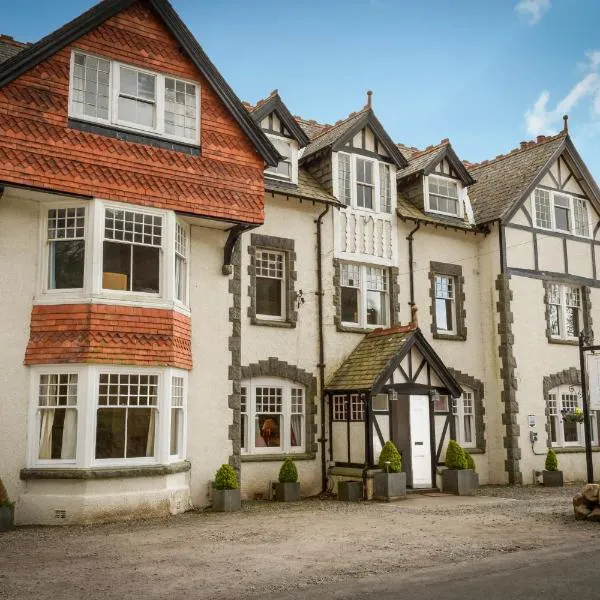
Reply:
x=459, y=201
x=286, y=386
x=363, y=290
x=87, y=406
x=453, y=279
x=555, y=395
x=113, y=95
x=374, y=186
x=293, y=160
x=563, y=291
x=284, y=283
x=572, y=200
x=186, y=229
x=459, y=414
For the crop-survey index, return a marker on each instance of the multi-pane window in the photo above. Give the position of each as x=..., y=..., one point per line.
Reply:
x=126, y=415
x=181, y=253
x=283, y=169
x=177, y=417
x=57, y=408
x=107, y=91
x=363, y=295
x=561, y=212
x=345, y=178
x=443, y=196
x=273, y=413
x=357, y=407
x=463, y=411
x=564, y=311
x=132, y=246
x=339, y=412
x=385, y=188
x=270, y=284
x=564, y=402
x=66, y=247
x=90, y=87
x=365, y=184
x=180, y=108
x=445, y=304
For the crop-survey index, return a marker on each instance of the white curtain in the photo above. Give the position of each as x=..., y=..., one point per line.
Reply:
x=47, y=418
x=69, y=438
x=151, y=433
x=296, y=437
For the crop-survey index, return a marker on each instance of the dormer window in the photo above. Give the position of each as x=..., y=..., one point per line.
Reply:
x=287, y=168
x=561, y=212
x=443, y=196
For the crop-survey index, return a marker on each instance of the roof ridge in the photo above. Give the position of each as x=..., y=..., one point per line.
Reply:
x=9, y=39
x=524, y=147
x=341, y=122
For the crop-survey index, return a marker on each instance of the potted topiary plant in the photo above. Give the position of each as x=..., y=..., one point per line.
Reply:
x=390, y=483
x=471, y=466
x=551, y=476
x=226, y=491
x=457, y=478
x=288, y=488
x=7, y=510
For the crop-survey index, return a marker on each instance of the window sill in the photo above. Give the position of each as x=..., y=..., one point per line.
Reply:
x=454, y=337
x=252, y=458
x=105, y=473
x=574, y=450
x=269, y=323
x=126, y=135
x=474, y=450
x=562, y=342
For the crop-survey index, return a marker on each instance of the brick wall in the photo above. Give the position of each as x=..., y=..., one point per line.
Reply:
x=38, y=149
x=100, y=333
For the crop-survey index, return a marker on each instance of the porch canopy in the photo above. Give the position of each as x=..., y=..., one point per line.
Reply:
x=370, y=397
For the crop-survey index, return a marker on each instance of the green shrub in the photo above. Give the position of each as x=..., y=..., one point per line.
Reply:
x=226, y=479
x=390, y=454
x=455, y=456
x=470, y=461
x=288, y=472
x=551, y=461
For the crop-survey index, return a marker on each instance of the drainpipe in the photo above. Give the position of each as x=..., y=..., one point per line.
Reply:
x=321, y=365
x=410, y=263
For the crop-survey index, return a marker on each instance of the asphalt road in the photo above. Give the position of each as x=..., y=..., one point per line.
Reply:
x=562, y=572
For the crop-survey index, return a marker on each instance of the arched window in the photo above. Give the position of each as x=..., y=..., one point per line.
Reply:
x=272, y=416
x=463, y=409
x=565, y=400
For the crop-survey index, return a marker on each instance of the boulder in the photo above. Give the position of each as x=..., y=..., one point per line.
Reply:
x=582, y=512
x=594, y=515
x=580, y=500
x=590, y=492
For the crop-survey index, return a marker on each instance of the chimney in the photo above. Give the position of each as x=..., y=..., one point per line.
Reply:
x=369, y=98
x=523, y=145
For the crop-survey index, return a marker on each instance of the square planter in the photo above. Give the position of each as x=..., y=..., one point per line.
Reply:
x=226, y=500
x=7, y=518
x=389, y=486
x=350, y=491
x=459, y=482
x=287, y=492
x=552, y=478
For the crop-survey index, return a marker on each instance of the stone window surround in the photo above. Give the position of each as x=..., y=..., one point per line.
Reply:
x=439, y=268
x=476, y=386
x=286, y=246
x=586, y=312
x=394, y=298
x=273, y=367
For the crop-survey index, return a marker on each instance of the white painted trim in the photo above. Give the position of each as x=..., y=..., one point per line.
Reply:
x=293, y=159
x=459, y=200
x=552, y=194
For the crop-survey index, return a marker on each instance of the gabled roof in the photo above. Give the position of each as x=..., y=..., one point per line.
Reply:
x=9, y=47
x=336, y=136
x=506, y=180
x=308, y=188
x=424, y=162
x=378, y=355
x=274, y=103
x=407, y=211
x=65, y=35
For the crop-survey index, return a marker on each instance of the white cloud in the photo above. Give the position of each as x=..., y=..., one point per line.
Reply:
x=532, y=10
x=540, y=119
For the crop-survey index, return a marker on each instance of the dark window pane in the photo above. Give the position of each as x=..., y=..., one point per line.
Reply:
x=375, y=308
x=66, y=264
x=570, y=430
x=146, y=269
x=268, y=431
x=110, y=433
x=349, y=305
x=140, y=432
x=268, y=297
x=561, y=216
x=116, y=273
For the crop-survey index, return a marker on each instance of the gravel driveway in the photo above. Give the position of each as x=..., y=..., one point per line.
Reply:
x=269, y=547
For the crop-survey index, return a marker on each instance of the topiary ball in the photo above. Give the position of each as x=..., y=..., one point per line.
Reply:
x=470, y=461
x=455, y=456
x=226, y=479
x=288, y=472
x=551, y=461
x=390, y=454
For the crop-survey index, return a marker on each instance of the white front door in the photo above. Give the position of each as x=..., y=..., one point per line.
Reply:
x=420, y=441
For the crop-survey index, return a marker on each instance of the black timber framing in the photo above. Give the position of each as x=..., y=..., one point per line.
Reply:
x=274, y=104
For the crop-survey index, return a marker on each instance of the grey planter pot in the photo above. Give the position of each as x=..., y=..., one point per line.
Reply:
x=7, y=518
x=552, y=478
x=226, y=500
x=389, y=486
x=461, y=483
x=350, y=491
x=287, y=492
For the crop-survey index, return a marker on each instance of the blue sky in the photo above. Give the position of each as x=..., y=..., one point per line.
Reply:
x=487, y=74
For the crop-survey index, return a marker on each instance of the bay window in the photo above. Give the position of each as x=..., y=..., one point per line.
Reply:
x=463, y=412
x=66, y=247
x=363, y=295
x=177, y=431
x=564, y=311
x=566, y=427
x=181, y=268
x=562, y=212
x=273, y=416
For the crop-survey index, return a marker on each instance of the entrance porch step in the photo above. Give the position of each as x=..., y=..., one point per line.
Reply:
x=434, y=490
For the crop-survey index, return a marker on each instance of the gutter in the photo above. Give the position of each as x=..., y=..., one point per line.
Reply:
x=410, y=238
x=323, y=439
